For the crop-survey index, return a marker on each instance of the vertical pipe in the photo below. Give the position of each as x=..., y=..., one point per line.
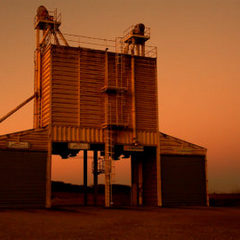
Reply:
x=133, y=99
x=36, y=100
x=95, y=176
x=35, y=107
x=79, y=96
x=106, y=100
x=117, y=64
x=40, y=90
x=37, y=89
x=85, y=175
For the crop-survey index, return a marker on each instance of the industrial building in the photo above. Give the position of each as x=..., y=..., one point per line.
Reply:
x=100, y=100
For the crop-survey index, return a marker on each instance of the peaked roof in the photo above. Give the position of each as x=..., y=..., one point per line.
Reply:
x=173, y=145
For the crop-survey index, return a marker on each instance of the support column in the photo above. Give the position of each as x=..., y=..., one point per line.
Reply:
x=134, y=172
x=137, y=180
x=95, y=176
x=140, y=183
x=85, y=175
x=48, y=170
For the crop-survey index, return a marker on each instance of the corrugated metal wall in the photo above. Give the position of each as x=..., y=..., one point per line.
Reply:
x=46, y=87
x=72, y=88
x=65, y=94
x=146, y=93
x=77, y=80
x=172, y=145
x=92, y=68
x=183, y=180
x=36, y=138
x=22, y=179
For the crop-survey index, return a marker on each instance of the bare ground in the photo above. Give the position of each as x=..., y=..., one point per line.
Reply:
x=132, y=223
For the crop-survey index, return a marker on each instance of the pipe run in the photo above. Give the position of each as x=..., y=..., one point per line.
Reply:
x=17, y=108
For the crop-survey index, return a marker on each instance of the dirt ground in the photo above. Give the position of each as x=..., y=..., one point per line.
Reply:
x=132, y=223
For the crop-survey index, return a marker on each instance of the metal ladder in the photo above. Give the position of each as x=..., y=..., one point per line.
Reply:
x=111, y=122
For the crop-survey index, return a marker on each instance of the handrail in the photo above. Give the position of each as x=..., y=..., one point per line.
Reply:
x=115, y=45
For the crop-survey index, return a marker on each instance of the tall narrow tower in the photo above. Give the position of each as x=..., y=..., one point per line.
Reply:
x=47, y=32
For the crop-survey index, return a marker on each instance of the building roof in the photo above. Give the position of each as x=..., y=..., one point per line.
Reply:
x=38, y=141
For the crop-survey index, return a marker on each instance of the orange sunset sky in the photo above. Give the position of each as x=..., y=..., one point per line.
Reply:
x=198, y=45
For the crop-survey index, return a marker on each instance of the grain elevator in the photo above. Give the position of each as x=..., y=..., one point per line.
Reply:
x=102, y=99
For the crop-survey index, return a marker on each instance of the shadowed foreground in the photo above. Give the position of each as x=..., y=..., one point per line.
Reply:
x=141, y=223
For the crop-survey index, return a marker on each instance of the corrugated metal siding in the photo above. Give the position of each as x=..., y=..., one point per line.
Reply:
x=65, y=80
x=78, y=77
x=38, y=139
x=77, y=80
x=22, y=179
x=77, y=134
x=45, y=87
x=146, y=93
x=146, y=138
x=172, y=145
x=183, y=180
x=95, y=135
x=92, y=68
x=149, y=177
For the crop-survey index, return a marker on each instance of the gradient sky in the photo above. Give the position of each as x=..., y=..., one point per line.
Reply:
x=198, y=69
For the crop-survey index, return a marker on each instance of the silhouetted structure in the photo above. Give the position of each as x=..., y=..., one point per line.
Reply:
x=102, y=101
